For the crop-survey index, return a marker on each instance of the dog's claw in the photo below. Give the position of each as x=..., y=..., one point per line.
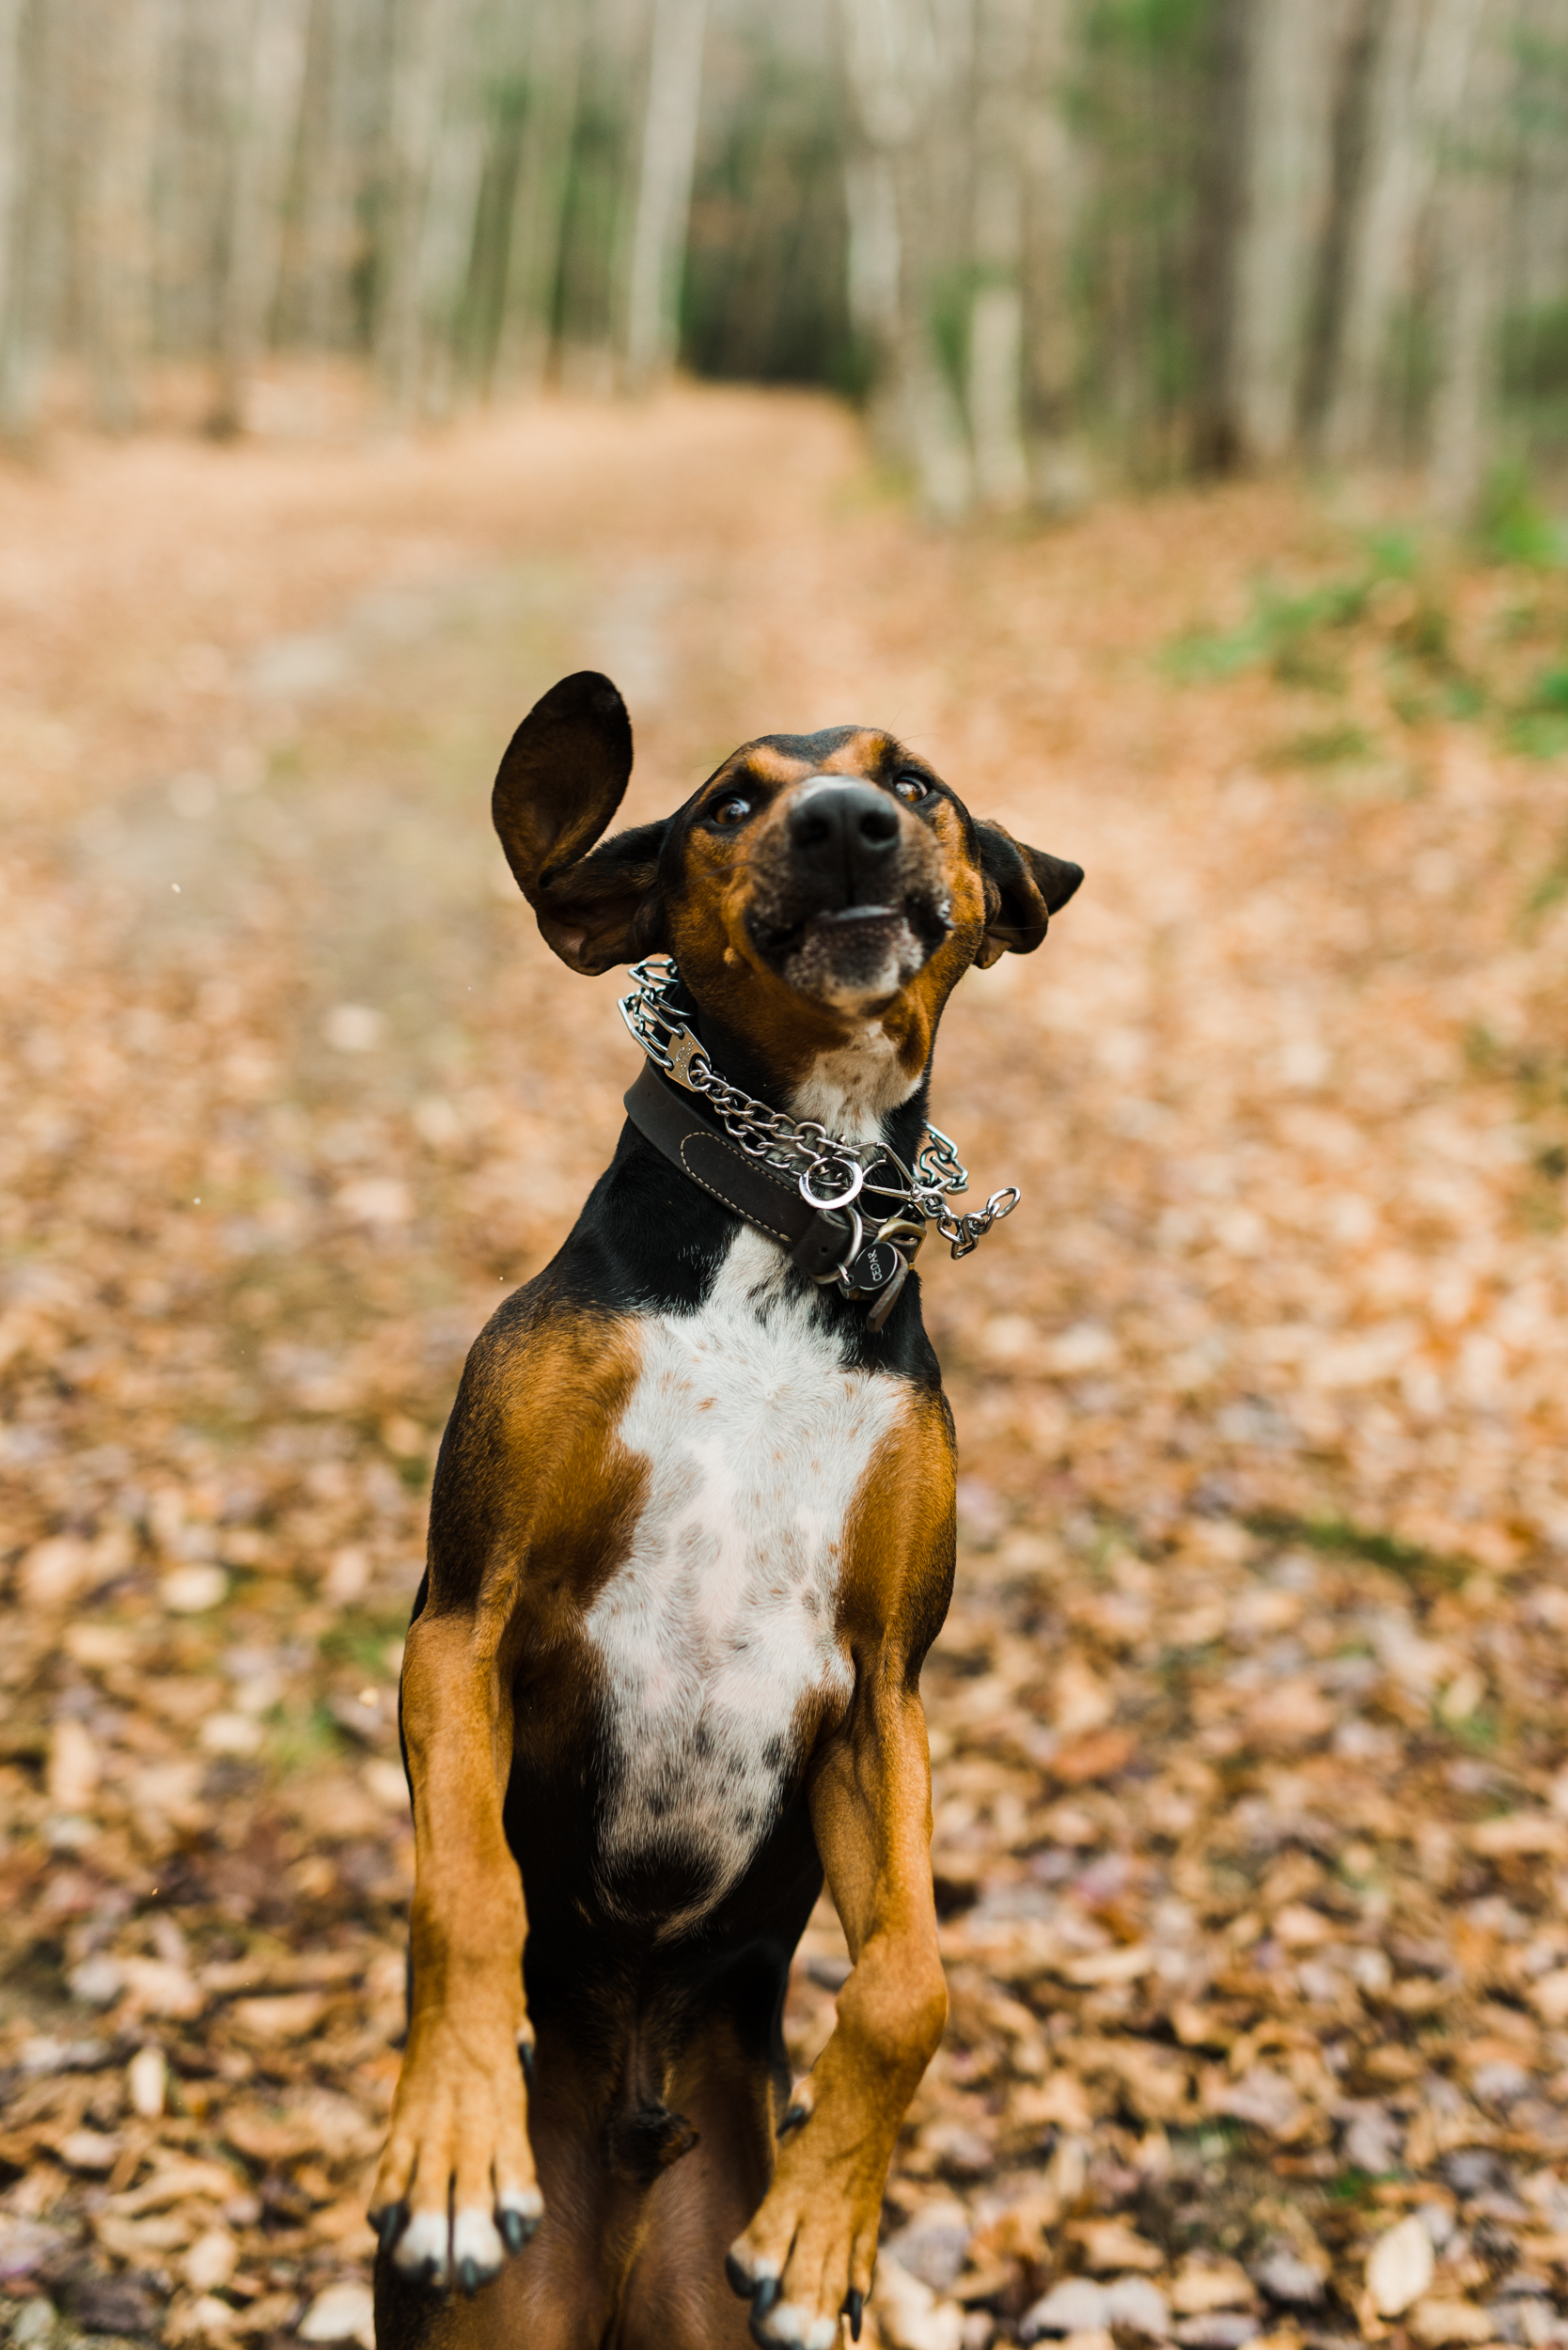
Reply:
x=766, y=2293
x=516, y=2228
x=389, y=2224
x=738, y=2281
x=468, y=2277
x=794, y=2120
x=855, y=2306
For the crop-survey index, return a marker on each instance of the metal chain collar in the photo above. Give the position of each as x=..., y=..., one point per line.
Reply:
x=832, y=1174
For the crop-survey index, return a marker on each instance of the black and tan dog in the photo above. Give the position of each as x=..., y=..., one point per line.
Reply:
x=692, y=1534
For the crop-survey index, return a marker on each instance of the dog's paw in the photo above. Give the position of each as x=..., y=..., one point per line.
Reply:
x=456, y=2190
x=805, y=2263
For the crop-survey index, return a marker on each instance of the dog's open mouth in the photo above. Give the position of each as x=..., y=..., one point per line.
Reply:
x=854, y=956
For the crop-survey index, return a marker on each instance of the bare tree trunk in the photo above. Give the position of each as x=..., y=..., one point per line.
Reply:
x=1420, y=77
x=1473, y=260
x=997, y=307
x=11, y=188
x=1287, y=181
x=415, y=98
x=266, y=59
x=38, y=227
x=874, y=254
x=116, y=222
x=451, y=203
x=437, y=159
x=898, y=65
x=665, y=189
x=555, y=60
x=1053, y=175
x=331, y=168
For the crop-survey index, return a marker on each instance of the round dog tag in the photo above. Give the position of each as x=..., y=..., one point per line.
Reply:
x=875, y=1266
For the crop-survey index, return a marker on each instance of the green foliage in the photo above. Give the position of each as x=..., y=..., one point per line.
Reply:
x=1327, y=747
x=360, y=1637
x=1514, y=524
x=1396, y=603
x=1550, y=888
x=952, y=301
x=1341, y=1538
x=1539, y=726
x=1286, y=631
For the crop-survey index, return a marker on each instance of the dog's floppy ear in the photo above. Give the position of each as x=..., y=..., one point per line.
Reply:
x=1024, y=888
x=561, y=780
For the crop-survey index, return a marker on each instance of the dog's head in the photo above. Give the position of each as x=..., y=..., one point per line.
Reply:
x=814, y=882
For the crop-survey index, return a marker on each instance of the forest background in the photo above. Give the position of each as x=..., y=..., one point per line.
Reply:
x=1042, y=237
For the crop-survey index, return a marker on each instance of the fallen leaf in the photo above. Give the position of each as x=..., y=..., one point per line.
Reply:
x=1400, y=2266
x=1203, y=2284
x=1434, y=2321
x=344, y=2313
x=1261, y=2097
x=1110, y=2245
x=1520, y=1832
x=909, y=2315
x=1100, y=1755
x=287, y=2016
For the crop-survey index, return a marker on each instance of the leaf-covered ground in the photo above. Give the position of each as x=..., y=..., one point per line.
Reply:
x=1251, y=1809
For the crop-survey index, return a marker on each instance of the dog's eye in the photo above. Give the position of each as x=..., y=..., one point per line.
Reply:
x=911, y=789
x=731, y=811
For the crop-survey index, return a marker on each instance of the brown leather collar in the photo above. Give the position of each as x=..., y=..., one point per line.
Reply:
x=819, y=1240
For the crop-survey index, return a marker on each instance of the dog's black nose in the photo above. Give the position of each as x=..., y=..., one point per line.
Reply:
x=846, y=830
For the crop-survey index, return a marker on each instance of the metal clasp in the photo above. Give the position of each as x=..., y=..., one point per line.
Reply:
x=685, y=1054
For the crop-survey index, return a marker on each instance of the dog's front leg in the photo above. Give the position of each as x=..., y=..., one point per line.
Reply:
x=456, y=2188
x=808, y=2254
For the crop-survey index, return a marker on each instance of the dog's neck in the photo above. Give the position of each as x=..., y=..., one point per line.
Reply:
x=854, y=1089
x=857, y=1089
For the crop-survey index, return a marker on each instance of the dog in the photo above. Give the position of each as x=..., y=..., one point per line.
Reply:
x=691, y=1533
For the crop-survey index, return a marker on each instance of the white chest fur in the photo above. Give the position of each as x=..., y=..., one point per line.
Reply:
x=723, y=1619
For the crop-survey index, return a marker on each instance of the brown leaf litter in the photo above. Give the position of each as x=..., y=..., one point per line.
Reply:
x=1251, y=1808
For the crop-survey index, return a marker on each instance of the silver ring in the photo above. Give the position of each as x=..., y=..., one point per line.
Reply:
x=839, y=1199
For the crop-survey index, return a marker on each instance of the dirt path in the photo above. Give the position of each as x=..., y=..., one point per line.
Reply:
x=1248, y=1717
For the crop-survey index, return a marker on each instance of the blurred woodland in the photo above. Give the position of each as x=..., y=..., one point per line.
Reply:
x=1050, y=240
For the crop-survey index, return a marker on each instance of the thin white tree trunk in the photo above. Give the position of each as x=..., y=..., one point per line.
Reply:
x=1287, y=180
x=117, y=223
x=436, y=143
x=10, y=152
x=38, y=240
x=332, y=167
x=266, y=65
x=417, y=69
x=538, y=200
x=1052, y=184
x=664, y=189
x=451, y=202
x=1473, y=260
x=997, y=307
x=900, y=55
x=1420, y=77
x=875, y=257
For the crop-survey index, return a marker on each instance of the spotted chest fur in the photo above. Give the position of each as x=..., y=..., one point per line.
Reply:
x=723, y=1621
